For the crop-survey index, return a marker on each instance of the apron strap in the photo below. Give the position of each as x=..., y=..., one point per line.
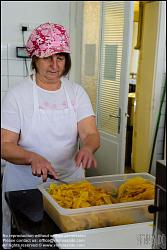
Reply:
x=35, y=97
x=67, y=97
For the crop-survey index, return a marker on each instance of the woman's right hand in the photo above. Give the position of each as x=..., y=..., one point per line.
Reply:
x=42, y=167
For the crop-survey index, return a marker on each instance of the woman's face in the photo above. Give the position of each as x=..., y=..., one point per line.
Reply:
x=51, y=68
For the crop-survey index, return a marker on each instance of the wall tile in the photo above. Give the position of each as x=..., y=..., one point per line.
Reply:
x=4, y=83
x=12, y=51
x=4, y=67
x=28, y=66
x=15, y=68
x=3, y=93
x=3, y=51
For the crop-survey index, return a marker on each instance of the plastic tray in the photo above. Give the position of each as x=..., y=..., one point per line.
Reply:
x=99, y=216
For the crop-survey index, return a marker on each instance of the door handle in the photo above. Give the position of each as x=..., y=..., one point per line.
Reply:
x=114, y=116
x=127, y=115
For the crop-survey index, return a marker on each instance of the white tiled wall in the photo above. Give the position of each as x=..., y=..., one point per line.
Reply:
x=13, y=69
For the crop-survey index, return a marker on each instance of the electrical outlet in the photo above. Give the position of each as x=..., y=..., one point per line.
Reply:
x=24, y=25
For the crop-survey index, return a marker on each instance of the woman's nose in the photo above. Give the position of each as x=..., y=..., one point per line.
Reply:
x=54, y=61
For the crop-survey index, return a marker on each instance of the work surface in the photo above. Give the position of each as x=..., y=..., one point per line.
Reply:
x=133, y=236
x=35, y=229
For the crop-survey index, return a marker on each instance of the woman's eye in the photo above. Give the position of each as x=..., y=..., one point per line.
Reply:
x=60, y=58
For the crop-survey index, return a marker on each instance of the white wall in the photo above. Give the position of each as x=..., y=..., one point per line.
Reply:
x=15, y=13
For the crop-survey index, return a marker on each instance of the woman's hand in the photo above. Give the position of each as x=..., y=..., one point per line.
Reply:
x=85, y=158
x=42, y=167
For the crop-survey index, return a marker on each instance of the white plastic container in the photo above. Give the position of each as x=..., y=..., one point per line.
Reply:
x=99, y=216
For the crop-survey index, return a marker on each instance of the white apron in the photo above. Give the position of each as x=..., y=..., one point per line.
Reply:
x=53, y=135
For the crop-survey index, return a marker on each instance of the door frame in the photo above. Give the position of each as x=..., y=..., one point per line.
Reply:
x=125, y=90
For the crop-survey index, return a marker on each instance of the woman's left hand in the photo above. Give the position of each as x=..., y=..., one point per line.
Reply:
x=85, y=158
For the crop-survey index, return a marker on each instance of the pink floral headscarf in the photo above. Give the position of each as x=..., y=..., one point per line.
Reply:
x=48, y=39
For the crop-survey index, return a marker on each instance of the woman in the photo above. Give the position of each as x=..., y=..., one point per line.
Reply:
x=43, y=117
